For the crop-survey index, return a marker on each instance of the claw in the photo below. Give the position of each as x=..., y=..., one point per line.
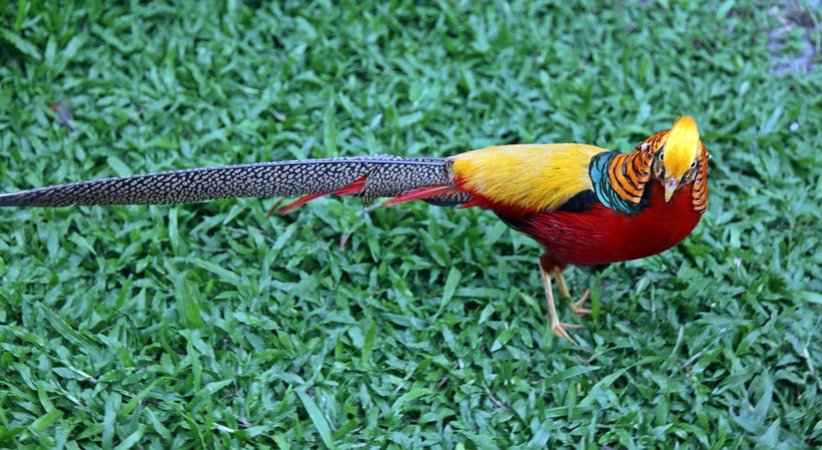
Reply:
x=560, y=330
x=578, y=307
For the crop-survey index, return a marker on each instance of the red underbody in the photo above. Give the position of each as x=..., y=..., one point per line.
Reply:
x=601, y=235
x=595, y=236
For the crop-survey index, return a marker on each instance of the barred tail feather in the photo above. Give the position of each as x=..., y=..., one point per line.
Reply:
x=369, y=176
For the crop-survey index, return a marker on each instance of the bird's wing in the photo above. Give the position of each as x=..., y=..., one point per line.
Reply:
x=525, y=178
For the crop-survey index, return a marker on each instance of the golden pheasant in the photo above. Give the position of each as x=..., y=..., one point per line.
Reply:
x=584, y=204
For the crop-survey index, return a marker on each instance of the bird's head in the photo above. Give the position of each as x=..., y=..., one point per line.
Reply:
x=675, y=163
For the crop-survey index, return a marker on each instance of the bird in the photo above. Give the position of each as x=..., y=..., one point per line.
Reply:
x=585, y=205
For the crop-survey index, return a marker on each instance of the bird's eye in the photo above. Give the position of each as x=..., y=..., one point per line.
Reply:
x=693, y=164
x=661, y=154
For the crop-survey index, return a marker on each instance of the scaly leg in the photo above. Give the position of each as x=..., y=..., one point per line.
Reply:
x=578, y=307
x=557, y=327
x=561, y=285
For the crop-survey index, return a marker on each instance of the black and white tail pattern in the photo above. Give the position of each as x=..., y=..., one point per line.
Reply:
x=369, y=176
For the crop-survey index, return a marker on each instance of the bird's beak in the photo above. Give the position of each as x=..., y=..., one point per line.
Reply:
x=670, y=184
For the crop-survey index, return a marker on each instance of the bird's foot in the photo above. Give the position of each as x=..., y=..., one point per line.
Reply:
x=557, y=327
x=578, y=307
x=560, y=329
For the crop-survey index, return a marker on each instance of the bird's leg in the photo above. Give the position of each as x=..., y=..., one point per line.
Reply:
x=578, y=307
x=561, y=285
x=557, y=327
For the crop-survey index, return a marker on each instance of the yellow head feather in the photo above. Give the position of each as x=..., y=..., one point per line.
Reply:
x=681, y=147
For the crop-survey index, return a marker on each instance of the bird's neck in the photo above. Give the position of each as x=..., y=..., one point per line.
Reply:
x=620, y=179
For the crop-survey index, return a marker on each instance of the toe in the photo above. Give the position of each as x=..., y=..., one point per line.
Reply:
x=578, y=307
x=560, y=331
x=580, y=312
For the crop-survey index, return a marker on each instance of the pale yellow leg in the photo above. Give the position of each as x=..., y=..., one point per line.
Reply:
x=578, y=307
x=557, y=327
x=561, y=285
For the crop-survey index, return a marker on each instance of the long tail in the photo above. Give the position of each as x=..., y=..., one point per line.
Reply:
x=374, y=176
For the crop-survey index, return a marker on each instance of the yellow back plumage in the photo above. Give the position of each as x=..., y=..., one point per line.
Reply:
x=531, y=177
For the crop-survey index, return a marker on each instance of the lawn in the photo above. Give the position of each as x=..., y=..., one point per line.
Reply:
x=210, y=325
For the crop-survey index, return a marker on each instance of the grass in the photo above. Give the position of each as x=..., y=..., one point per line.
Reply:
x=209, y=325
